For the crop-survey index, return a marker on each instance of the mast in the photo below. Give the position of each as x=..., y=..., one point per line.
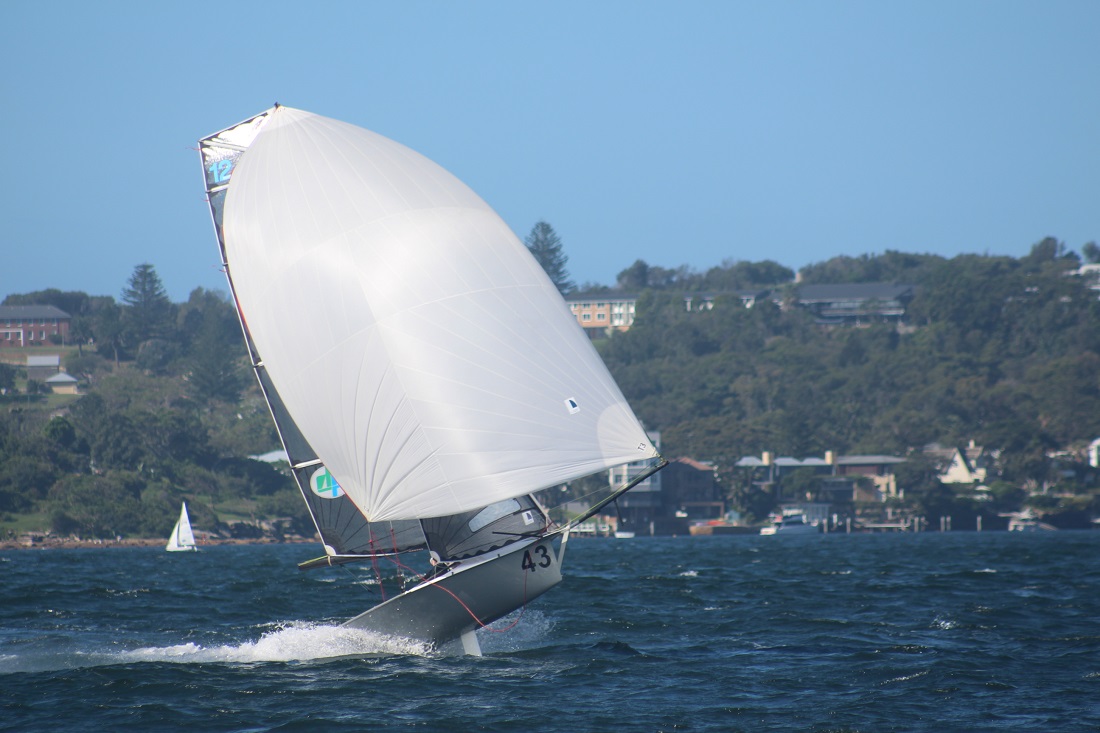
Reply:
x=344, y=530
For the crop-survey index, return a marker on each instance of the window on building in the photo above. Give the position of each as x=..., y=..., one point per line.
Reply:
x=601, y=316
x=586, y=317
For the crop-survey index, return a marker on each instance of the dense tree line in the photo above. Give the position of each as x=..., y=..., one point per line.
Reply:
x=1000, y=350
x=169, y=413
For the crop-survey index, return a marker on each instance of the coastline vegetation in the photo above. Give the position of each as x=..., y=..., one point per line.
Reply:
x=999, y=350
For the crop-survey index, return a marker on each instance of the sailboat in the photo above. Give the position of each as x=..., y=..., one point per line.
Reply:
x=424, y=375
x=182, y=538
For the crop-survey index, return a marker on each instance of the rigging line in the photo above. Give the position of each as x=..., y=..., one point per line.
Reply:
x=593, y=510
x=374, y=562
x=400, y=574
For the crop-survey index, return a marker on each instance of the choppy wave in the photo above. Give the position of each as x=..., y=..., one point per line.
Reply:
x=856, y=633
x=284, y=642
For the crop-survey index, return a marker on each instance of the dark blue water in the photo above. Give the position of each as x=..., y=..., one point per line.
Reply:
x=929, y=632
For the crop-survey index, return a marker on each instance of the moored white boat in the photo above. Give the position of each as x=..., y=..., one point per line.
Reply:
x=790, y=524
x=1027, y=521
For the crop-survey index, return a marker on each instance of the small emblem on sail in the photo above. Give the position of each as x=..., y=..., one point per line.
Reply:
x=572, y=406
x=324, y=484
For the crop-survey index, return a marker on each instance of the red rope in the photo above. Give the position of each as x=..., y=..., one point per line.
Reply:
x=374, y=563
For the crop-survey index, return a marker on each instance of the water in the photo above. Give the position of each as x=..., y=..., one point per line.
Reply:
x=936, y=632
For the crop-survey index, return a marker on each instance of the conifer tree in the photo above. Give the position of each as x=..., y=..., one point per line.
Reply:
x=148, y=312
x=544, y=243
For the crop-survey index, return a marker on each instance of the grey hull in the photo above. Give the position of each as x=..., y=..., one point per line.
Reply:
x=471, y=595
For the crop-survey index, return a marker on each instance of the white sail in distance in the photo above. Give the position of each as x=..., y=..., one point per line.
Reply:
x=419, y=347
x=182, y=537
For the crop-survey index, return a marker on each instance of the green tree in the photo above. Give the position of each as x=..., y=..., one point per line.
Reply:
x=148, y=311
x=24, y=479
x=635, y=277
x=108, y=326
x=1091, y=252
x=97, y=506
x=75, y=303
x=217, y=352
x=544, y=243
x=7, y=378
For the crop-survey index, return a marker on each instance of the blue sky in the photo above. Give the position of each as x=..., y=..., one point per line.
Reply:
x=673, y=132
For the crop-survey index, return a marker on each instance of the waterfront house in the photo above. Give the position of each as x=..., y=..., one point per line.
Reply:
x=969, y=465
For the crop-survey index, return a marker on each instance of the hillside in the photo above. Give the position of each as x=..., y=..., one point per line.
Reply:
x=998, y=350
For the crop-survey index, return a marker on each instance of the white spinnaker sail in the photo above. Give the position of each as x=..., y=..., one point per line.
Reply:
x=417, y=344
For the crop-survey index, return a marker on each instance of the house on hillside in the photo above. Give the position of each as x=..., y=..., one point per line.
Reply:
x=63, y=383
x=41, y=368
x=968, y=465
x=705, y=301
x=600, y=313
x=839, y=479
x=33, y=325
x=1090, y=273
x=855, y=304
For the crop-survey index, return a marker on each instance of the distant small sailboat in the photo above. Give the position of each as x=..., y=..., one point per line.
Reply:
x=182, y=539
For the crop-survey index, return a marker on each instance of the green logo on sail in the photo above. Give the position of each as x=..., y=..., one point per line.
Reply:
x=324, y=484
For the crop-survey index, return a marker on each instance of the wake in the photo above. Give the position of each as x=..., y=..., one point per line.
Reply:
x=292, y=642
x=295, y=642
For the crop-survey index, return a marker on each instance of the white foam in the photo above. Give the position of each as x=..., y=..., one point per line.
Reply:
x=944, y=623
x=507, y=636
x=285, y=642
x=294, y=642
